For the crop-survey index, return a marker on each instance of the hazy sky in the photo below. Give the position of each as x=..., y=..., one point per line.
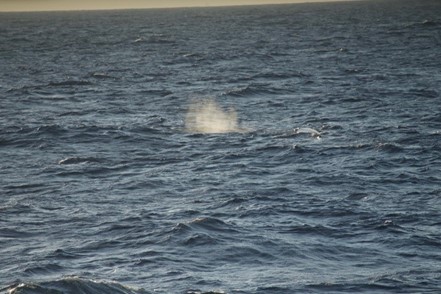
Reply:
x=31, y=5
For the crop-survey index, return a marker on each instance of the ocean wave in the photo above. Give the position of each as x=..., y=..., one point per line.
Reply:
x=69, y=83
x=254, y=89
x=204, y=292
x=248, y=255
x=388, y=147
x=412, y=281
x=74, y=285
x=204, y=224
x=14, y=233
x=53, y=129
x=311, y=230
x=46, y=129
x=101, y=76
x=48, y=134
x=79, y=160
x=425, y=93
x=427, y=23
x=211, y=224
x=200, y=231
x=276, y=75
x=60, y=254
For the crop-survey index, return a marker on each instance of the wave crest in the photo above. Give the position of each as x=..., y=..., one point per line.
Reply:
x=74, y=285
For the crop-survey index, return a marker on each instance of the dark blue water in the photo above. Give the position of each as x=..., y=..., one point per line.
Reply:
x=270, y=149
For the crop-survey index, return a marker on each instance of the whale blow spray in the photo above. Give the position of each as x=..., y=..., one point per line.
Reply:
x=207, y=117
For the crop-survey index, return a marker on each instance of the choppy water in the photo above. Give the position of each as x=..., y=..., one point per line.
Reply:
x=271, y=149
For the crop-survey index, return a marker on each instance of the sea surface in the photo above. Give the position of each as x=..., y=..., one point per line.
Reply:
x=258, y=149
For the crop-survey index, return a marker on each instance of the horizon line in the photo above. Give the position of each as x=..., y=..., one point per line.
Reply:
x=173, y=7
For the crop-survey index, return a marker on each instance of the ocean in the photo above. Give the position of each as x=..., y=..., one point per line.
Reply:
x=252, y=149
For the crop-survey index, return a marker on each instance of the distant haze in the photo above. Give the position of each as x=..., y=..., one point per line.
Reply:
x=43, y=5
